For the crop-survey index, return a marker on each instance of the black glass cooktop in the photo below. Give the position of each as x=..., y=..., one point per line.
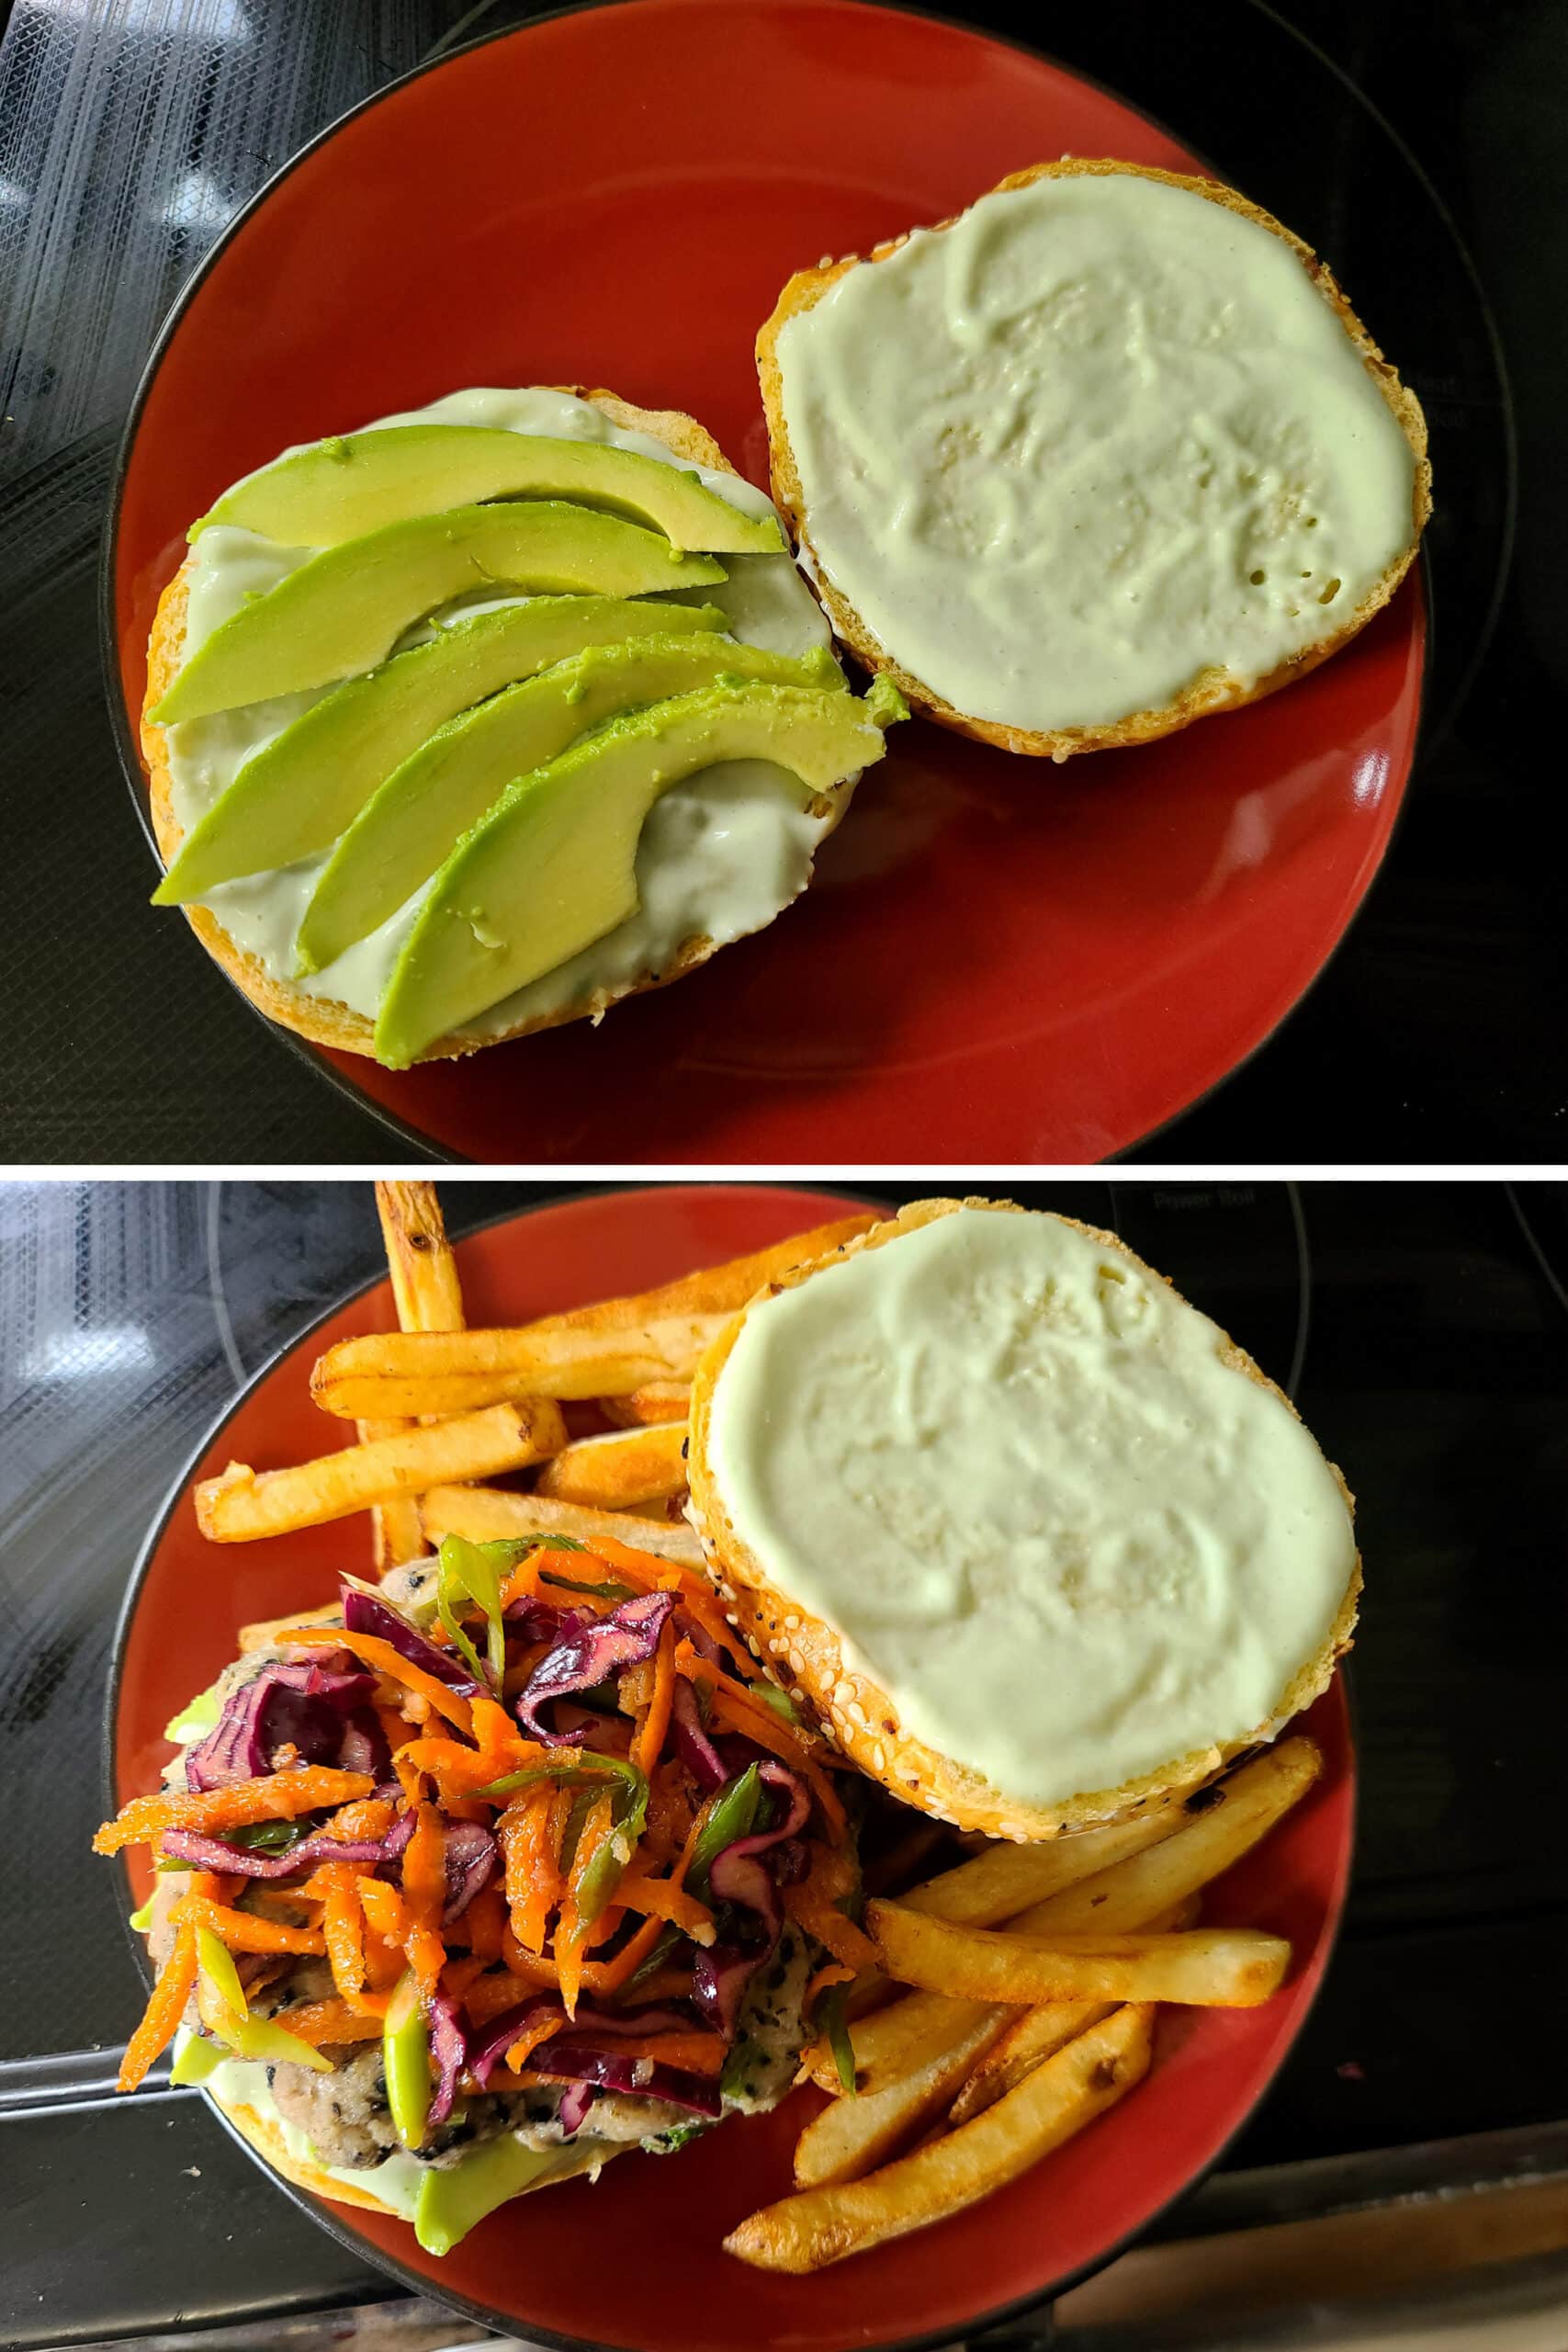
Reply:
x=129, y=137
x=1427, y=1348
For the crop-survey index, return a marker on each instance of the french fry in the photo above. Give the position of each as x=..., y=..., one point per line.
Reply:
x=428, y=1297
x=605, y=1351
x=1000, y=1882
x=852, y=2135
x=1035, y=2034
x=1217, y=1968
x=658, y=1400
x=618, y=1472
x=994, y=1885
x=1128, y=1895
x=242, y=1504
x=821, y=2225
x=485, y=1514
x=425, y=1287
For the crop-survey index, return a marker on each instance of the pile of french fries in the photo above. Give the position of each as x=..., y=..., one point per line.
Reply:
x=441, y=1409
x=1017, y=1993
x=1012, y=2041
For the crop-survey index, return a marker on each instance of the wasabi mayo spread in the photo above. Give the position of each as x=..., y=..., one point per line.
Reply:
x=1099, y=436
x=1012, y=1470
x=721, y=853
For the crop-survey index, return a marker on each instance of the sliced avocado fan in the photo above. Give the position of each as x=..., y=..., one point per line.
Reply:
x=344, y=610
x=406, y=828
x=297, y=793
x=340, y=488
x=552, y=867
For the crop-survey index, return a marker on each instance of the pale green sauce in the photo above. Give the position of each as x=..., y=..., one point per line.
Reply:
x=719, y=856
x=1097, y=436
x=1012, y=1470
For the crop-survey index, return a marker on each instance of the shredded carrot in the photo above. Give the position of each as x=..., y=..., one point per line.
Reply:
x=482, y=1921
x=424, y=1892
x=653, y=1730
x=371, y=1817
x=458, y=1974
x=243, y=1932
x=372, y=1651
x=343, y=1929
x=395, y=1731
x=532, y=1969
x=490, y=1997
x=609, y=1975
x=694, y=2053
x=833, y=1971
x=280, y=1797
x=410, y=1780
x=660, y=1898
x=457, y=1771
x=571, y=1932
x=493, y=1727
x=320, y=2022
x=386, y=1915
x=540, y=2030
x=532, y=1867
x=757, y=1721
x=163, y=2011
x=813, y=1904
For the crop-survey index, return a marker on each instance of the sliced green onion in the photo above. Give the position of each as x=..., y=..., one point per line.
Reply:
x=199, y=2059
x=731, y=1814
x=835, y=2027
x=405, y=2044
x=142, y=1919
x=608, y=1590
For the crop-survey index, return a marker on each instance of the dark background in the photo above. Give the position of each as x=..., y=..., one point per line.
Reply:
x=129, y=136
x=1424, y=1330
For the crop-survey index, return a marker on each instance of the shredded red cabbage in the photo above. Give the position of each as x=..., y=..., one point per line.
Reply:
x=468, y=1858
x=448, y=2047
x=597, y=2023
x=301, y=1707
x=739, y=1875
x=364, y=1747
x=364, y=1611
x=536, y=1620
x=215, y=1854
x=695, y=1749
x=589, y=1653
x=574, y=2107
x=573, y=2058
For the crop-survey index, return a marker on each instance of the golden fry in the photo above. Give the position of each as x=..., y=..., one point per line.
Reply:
x=419, y=1258
x=618, y=1472
x=658, y=1401
x=610, y=1350
x=999, y=1882
x=1126, y=1895
x=428, y=1297
x=484, y=1514
x=818, y=2226
x=1031, y=2035
x=1211, y=1968
x=852, y=2134
x=242, y=1504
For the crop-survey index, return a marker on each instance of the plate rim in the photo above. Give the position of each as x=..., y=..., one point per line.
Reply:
x=321, y=2210
x=124, y=727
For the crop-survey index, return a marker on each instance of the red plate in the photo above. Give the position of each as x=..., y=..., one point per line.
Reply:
x=1063, y=958
x=636, y=2260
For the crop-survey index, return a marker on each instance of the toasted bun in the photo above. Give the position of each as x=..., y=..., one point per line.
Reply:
x=266, y=2136
x=854, y=1711
x=1212, y=690
x=321, y=1019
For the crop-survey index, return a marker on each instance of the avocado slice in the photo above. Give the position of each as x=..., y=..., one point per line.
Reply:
x=300, y=791
x=552, y=867
x=344, y=610
x=405, y=830
x=453, y=2198
x=340, y=488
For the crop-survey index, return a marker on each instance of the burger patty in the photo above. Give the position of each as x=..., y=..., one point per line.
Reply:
x=346, y=2115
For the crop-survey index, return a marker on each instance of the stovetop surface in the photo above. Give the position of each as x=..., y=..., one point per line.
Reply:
x=1427, y=1348
x=129, y=138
